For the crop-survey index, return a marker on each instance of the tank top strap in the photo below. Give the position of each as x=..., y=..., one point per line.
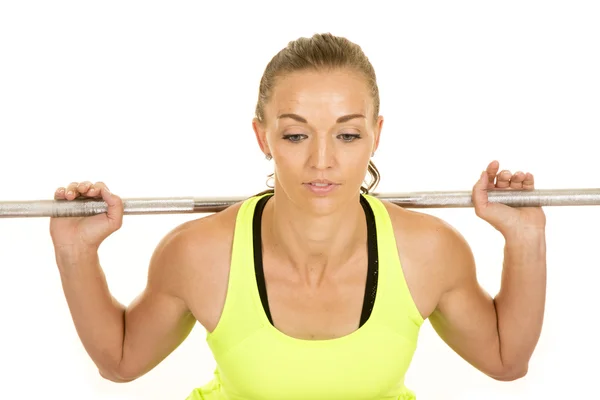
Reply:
x=396, y=305
x=239, y=317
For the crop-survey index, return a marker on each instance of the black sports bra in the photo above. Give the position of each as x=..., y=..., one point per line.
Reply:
x=372, y=268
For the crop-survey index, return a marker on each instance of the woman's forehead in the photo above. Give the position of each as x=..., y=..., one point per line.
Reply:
x=324, y=93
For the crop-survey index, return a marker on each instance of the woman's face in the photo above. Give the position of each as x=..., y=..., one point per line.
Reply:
x=320, y=129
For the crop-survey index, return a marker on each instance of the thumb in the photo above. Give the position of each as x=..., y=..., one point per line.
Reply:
x=480, y=195
x=115, y=208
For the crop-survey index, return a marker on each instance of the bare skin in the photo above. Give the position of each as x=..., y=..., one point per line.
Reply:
x=309, y=272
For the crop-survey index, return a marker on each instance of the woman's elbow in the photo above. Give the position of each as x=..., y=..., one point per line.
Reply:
x=117, y=376
x=508, y=374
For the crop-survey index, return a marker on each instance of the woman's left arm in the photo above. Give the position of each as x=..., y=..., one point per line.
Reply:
x=496, y=335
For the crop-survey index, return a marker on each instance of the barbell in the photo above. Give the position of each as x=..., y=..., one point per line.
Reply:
x=180, y=205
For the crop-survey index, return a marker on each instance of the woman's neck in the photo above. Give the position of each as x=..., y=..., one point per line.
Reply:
x=314, y=244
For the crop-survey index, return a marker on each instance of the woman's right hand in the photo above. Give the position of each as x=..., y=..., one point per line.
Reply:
x=77, y=234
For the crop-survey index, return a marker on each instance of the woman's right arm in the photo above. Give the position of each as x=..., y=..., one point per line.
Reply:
x=124, y=342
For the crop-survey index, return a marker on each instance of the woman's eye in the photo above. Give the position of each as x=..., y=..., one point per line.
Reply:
x=349, y=137
x=294, y=138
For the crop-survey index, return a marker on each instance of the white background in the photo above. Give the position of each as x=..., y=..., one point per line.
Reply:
x=156, y=99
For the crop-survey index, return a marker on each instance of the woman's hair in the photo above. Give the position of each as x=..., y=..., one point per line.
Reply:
x=320, y=52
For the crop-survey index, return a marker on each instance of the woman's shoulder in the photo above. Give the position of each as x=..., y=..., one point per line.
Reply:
x=205, y=236
x=198, y=254
x=433, y=253
x=420, y=226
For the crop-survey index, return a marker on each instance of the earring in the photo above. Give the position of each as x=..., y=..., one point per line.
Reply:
x=268, y=157
x=272, y=179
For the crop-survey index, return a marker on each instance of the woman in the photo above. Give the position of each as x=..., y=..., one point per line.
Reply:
x=313, y=290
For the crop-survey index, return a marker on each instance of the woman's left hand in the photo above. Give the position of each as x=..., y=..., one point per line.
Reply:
x=509, y=221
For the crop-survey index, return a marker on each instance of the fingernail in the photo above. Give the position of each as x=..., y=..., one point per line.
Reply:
x=70, y=192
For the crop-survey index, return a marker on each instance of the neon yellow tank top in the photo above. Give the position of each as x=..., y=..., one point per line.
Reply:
x=256, y=361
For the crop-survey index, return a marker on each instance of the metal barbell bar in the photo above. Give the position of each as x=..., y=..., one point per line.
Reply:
x=182, y=205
